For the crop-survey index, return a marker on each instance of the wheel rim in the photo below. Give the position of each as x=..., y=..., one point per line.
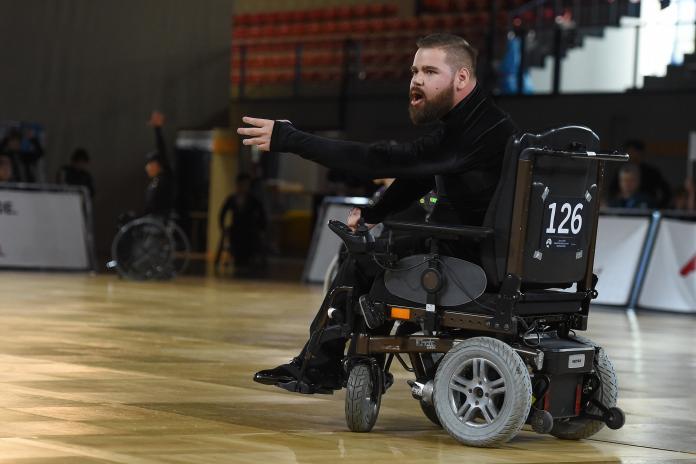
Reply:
x=370, y=400
x=477, y=392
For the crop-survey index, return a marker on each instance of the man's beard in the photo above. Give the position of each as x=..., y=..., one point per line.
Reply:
x=432, y=109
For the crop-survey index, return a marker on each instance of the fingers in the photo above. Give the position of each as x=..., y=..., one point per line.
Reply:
x=253, y=131
x=258, y=122
x=255, y=141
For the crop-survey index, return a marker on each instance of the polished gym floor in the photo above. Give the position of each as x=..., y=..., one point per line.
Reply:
x=94, y=369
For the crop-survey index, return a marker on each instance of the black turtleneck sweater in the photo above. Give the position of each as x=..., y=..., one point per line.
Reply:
x=462, y=158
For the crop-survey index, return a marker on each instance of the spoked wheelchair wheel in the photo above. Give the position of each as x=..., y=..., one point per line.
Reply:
x=143, y=249
x=482, y=392
x=577, y=428
x=182, y=248
x=363, y=398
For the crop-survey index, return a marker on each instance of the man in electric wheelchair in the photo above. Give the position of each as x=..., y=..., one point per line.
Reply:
x=489, y=339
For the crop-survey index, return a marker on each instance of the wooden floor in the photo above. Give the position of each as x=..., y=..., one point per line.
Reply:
x=93, y=369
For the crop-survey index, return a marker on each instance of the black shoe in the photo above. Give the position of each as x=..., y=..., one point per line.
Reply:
x=287, y=376
x=282, y=374
x=373, y=314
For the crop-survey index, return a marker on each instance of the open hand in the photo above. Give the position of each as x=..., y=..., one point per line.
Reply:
x=354, y=219
x=260, y=132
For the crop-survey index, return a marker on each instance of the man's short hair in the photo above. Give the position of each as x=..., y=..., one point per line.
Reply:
x=460, y=54
x=631, y=169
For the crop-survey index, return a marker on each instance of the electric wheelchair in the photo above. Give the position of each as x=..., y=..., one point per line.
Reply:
x=492, y=346
x=149, y=248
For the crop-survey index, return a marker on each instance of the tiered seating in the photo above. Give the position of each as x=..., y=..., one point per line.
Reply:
x=270, y=47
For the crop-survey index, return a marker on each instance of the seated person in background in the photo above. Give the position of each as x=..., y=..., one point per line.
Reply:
x=685, y=196
x=5, y=168
x=652, y=183
x=248, y=225
x=630, y=195
x=77, y=172
x=159, y=196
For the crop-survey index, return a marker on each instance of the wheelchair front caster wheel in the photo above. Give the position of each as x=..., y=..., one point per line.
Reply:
x=614, y=418
x=363, y=398
x=542, y=421
x=429, y=411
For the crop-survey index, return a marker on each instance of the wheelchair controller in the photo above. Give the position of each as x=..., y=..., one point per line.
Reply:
x=359, y=241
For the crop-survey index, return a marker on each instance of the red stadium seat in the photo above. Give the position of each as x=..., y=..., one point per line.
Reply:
x=343, y=27
x=360, y=26
x=343, y=12
x=360, y=11
x=314, y=15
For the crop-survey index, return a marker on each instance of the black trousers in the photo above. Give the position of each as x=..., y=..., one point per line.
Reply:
x=358, y=272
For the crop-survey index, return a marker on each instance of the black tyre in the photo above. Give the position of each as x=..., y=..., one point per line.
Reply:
x=577, y=428
x=142, y=250
x=482, y=392
x=362, y=399
x=182, y=248
x=430, y=413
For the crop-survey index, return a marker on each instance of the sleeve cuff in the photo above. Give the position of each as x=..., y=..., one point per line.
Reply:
x=371, y=215
x=279, y=136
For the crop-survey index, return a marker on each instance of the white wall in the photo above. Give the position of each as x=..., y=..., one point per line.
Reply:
x=605, y=64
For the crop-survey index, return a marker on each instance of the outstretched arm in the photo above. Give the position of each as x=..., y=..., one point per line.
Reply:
x=420, y=158
x=423, y=157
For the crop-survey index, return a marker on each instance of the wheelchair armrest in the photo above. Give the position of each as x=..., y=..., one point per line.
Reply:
x=443, y=231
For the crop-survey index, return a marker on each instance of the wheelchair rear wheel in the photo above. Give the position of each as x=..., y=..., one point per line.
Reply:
x=182, y=248
x=142, y=250
x=363, y=398
x=482, y=392
x=577, y=428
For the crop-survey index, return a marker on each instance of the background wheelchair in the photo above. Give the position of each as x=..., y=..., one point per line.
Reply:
x=149, y=248
x=492, y=347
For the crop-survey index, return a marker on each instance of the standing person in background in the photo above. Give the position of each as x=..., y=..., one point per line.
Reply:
x=248, y=227
x=5, y=168
x=24, y=162
x=159, y=196
x=77, y=172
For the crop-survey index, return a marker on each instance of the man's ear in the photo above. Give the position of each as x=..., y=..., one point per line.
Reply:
x=463, y=78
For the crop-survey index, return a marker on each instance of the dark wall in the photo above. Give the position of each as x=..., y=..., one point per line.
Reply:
x=92, y=71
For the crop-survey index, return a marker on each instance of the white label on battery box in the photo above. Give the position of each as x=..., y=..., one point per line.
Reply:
x=576, y=360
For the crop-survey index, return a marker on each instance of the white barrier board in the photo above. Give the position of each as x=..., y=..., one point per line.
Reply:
x=42, y=229
x=617, y=254
x=328, y=244
x=670, y=282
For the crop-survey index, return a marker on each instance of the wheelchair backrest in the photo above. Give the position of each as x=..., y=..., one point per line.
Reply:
x=545, y=209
